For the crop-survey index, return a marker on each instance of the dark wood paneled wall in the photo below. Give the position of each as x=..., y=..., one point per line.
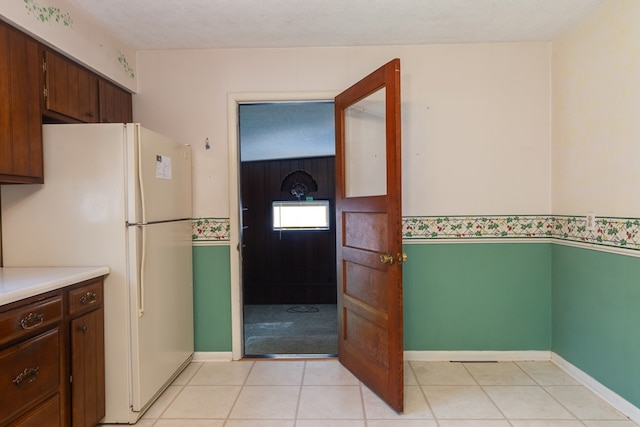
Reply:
x=292, y=267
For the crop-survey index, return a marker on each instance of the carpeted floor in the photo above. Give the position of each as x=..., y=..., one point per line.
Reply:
x=272, y=330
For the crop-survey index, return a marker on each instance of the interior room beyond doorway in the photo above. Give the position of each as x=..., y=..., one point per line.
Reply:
x=288, y=265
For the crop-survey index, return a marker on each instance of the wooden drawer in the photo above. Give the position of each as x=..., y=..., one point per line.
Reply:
x=29, y=319
x=44, y=415
x=85, y=297
x=29, y=371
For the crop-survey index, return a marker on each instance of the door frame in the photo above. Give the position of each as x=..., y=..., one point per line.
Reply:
x=234, y=99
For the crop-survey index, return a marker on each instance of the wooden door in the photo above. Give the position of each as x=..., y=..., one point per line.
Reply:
x=369, y=232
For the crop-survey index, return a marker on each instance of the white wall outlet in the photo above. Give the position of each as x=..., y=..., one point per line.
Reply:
x=591, y=221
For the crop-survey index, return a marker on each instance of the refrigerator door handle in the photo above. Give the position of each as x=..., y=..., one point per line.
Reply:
x=144, y=220
x=140, y=178
x=143, y=256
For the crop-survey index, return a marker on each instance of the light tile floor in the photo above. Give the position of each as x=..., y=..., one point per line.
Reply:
x=321, y=393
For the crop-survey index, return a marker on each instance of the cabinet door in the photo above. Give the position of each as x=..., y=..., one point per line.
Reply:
x=70, y=90
x=87, y=369
x=115, y=103
x=20, y=120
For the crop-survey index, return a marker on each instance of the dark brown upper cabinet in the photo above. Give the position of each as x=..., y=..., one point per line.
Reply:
x=69, y=89
x=20, y=118
x=40, y=85
x=115, y=103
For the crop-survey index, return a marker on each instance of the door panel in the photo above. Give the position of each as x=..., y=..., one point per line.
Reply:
x=369, y=232
x=365, y=146
x=366, y=231
x=366, y=285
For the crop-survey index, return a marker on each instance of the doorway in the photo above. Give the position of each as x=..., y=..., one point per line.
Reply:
x=287, y=270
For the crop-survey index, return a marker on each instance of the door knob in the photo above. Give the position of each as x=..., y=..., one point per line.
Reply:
x=387, y=259
x=402, y=258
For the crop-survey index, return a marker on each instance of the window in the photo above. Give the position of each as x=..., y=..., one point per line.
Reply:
x=302, y=215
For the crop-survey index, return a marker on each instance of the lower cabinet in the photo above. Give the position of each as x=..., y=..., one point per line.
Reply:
x=52, y=358
x=87, y=357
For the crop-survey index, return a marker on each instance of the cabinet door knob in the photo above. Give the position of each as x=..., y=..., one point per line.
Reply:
x=27, y=376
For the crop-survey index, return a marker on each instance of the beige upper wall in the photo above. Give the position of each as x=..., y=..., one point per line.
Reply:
x=67, y=28
x=596, y=114
x=475, y=118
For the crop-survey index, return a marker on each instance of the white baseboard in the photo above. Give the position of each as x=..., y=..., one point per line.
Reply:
x=212, y=356
x=476, y=356
x=613, y=399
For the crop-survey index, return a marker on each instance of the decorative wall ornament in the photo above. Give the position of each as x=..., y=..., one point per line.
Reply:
x=47, y=13
x=128, y=69
x=299, y=183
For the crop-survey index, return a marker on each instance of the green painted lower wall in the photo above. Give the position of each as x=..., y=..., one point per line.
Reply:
x=477, y=296
x=596, y=316
x=212, y=298
x=474, y=296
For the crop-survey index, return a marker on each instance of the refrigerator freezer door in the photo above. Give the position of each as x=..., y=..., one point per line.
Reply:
x=162, y=313
x=159, y=177
x=80, y=205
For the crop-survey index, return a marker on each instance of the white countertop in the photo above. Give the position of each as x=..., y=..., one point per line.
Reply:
x=17, y=283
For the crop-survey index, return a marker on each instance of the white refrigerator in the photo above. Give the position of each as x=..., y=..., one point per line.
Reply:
x=116, y=195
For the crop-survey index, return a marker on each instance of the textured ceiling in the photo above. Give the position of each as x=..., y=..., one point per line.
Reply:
x=198, y=24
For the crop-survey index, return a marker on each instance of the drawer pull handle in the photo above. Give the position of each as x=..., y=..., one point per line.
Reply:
x=31, y=321
x=89, y=298
x=27, y=376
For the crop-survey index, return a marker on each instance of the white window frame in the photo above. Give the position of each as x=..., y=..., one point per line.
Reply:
x=287, y=215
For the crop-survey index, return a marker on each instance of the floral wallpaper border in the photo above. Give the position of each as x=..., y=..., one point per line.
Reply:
x=622, y=233
x=211, y=229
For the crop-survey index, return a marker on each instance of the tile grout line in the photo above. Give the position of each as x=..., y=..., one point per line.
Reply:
x=424, y=395
x=242, y=386
x=504, y=416
x=546, y=391
x=542, y=386
x=297, y=412
x=182, y=388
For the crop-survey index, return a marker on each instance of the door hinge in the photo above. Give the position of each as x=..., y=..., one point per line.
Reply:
x=44, y=65
x=70, y=378
x=45, y=92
